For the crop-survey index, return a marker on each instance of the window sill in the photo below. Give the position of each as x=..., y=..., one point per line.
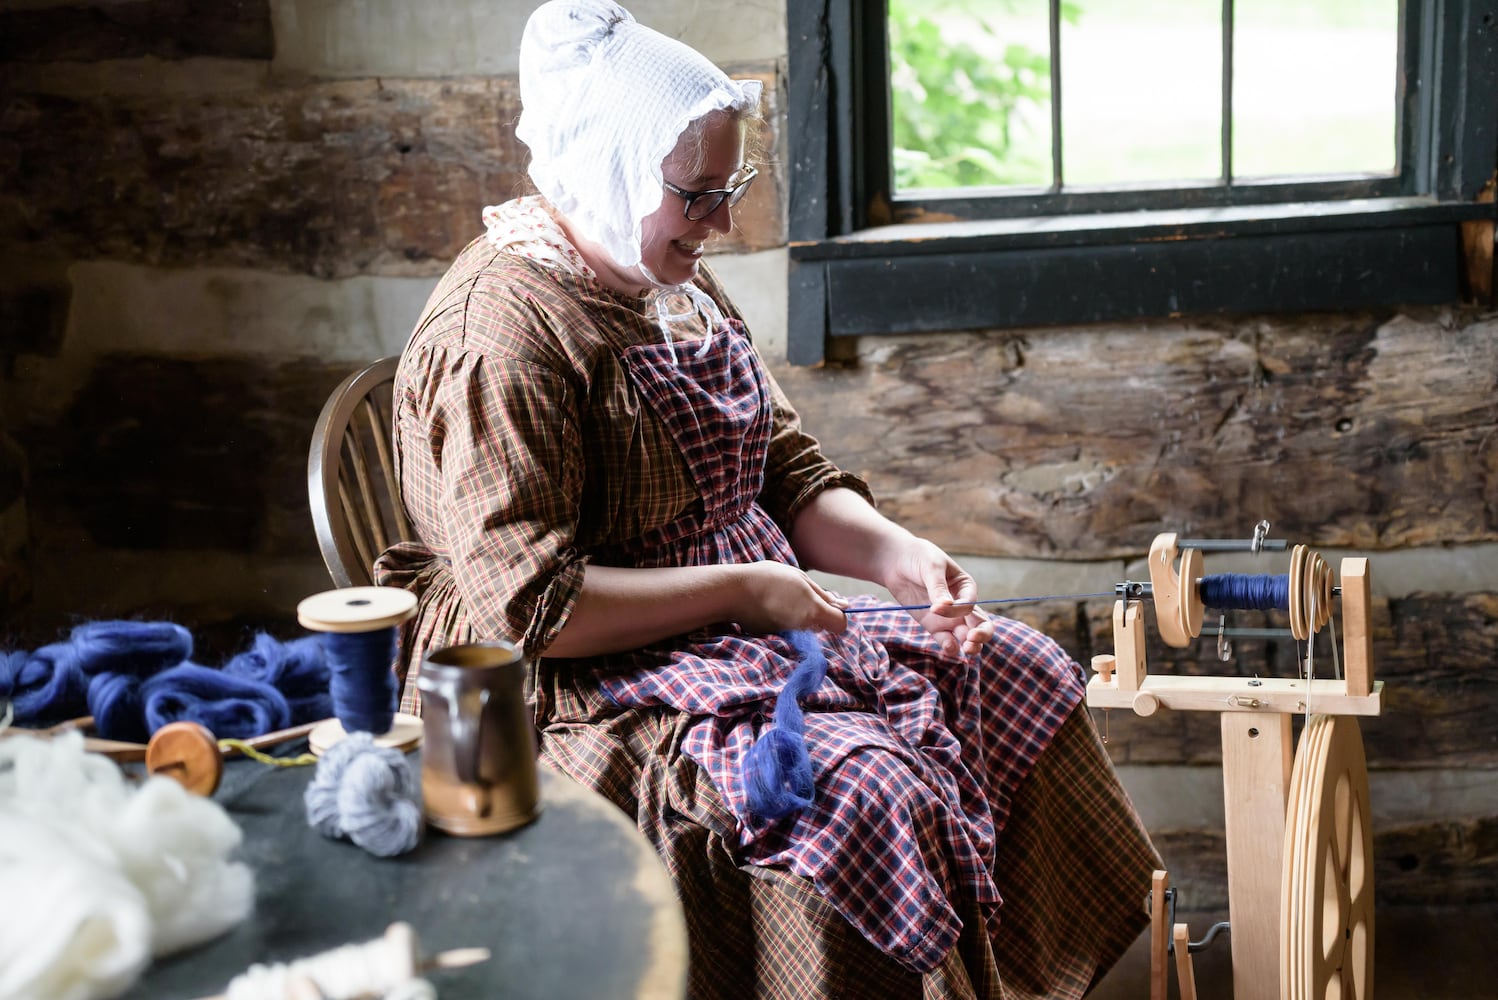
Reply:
x=1124, y=266
x=1108, y=228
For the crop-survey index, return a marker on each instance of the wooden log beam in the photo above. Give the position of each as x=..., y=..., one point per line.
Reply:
x=331, y=178
x=1358, y=431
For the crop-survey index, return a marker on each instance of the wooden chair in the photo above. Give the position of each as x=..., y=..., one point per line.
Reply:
x=351, y=485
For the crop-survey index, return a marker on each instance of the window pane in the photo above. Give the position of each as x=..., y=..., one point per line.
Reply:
x=970, y=93
x=1314, y=87
x=1141, y=90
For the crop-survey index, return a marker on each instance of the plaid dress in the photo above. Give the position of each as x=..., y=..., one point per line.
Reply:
x=542, y=424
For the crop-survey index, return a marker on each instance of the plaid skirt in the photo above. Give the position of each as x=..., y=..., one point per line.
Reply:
x=1072, y=861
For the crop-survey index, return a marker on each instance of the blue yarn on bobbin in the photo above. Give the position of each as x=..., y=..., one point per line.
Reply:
x=298, y=669
x=366, y=793
x=362, y=682
x=777, y=770
x=1239, y=591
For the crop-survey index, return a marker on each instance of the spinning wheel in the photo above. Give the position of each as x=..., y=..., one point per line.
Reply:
x=1326, y=920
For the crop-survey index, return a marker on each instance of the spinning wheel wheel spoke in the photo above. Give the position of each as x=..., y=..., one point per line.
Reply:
x=1327, y=905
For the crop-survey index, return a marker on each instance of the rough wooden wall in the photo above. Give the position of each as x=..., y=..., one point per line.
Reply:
x=157, y=134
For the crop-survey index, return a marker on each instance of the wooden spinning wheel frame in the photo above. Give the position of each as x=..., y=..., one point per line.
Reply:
x=1306, y=931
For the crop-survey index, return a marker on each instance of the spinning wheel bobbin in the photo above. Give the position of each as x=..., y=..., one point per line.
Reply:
x=1326, y=927
x=1178, y=602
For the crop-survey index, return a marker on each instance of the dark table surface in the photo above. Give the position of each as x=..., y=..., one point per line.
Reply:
x=576, y=904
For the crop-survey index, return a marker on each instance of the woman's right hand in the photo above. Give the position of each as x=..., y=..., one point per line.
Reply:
x=777, y=597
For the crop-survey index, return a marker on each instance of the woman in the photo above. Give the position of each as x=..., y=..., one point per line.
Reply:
x=601, y=470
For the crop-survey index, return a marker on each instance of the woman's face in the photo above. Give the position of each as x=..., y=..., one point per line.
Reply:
x=670, y=244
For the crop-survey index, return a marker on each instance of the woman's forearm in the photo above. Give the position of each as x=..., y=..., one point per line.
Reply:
x=838, y=531
x=620, y=609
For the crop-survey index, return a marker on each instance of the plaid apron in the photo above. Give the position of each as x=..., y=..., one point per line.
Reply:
x=916, y=754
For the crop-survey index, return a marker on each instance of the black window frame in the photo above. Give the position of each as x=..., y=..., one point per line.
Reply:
x=863, y=261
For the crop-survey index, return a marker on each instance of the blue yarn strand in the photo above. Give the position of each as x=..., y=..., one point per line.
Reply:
x=1245, y=592
x=362, y=681
x=777, y=770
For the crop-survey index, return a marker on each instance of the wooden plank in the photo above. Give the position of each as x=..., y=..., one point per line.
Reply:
x=165, y=29
x=330, y=178
x=1444, y=862
x=1355, y=431
x=1256, y=779
x=1266, y=695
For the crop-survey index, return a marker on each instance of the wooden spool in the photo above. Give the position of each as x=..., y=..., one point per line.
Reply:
x=360, y=609
x=1326, y=919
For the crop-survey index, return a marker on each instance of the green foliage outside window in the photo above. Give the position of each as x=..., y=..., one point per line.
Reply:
x=958, y=110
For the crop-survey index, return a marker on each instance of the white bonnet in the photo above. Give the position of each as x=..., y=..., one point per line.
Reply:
x=604, y=100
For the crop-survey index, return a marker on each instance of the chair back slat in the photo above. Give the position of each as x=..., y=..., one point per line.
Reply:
x=380, y=423
x=351, y=482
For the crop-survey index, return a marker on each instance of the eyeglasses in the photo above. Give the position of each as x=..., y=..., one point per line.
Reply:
x=701, y=204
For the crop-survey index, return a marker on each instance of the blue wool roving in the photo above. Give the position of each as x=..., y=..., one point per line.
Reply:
x=777, y=771
x=366, y=793
x=298, y=669
x=47, y=684
x=139, y=649
x=135, y=677
x=232, y=707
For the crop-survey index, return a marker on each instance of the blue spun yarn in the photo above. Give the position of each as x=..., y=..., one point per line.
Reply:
x=366, y=793
x=362, y=682
x=1238, y=591
x=777, y=770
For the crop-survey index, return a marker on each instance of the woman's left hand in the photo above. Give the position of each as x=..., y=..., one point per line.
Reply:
x=921, y=573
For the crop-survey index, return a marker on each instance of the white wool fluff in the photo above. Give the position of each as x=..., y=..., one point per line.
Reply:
x=604, y=100
x=100, y=875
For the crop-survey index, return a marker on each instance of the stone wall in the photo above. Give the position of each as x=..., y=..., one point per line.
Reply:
x=212, y=211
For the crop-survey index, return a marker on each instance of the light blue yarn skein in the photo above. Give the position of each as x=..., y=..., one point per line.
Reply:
x=366, y=793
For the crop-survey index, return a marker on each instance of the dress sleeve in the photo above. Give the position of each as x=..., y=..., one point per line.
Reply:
x=796, y=470
x=508, y=490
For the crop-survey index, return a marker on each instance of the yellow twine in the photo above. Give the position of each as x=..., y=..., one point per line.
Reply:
x=301, y=760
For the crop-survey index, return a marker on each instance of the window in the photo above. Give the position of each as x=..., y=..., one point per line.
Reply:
x=874, y=251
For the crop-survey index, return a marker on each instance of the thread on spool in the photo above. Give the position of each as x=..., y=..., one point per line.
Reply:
x=1245, y=592
x=362, y=683
x=777, y=770
x=367, y=793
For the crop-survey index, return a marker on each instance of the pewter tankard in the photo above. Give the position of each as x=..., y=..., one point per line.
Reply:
x=478, y=755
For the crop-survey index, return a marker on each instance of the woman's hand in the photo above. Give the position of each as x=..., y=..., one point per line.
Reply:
x=919, y=572
x=777, y=597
